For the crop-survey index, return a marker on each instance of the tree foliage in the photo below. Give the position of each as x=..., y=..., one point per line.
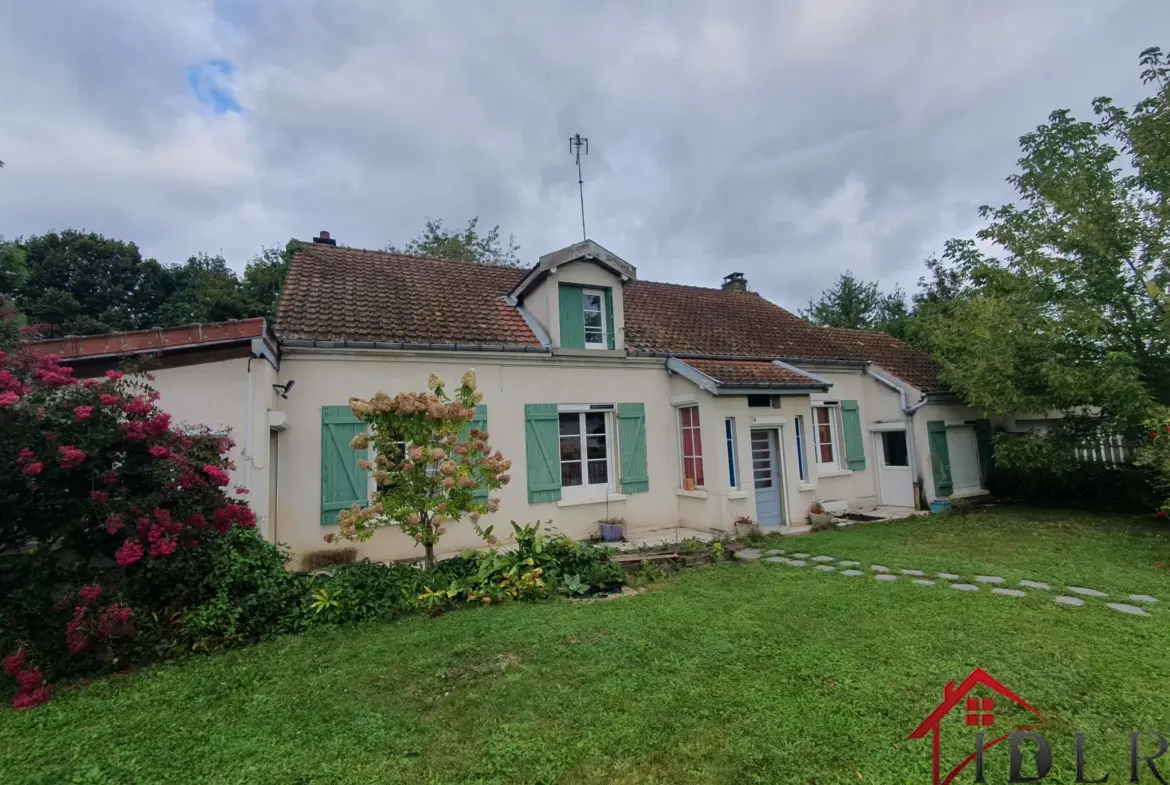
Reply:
x=428, y=464
x=468, y=245
x=858, y=305
x=1069, y=314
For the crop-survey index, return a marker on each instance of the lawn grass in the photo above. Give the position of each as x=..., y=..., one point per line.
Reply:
x=737, y=673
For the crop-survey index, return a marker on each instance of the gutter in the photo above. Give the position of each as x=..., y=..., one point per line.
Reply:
x=911, y=442
x=446, y=347
x=747, y=358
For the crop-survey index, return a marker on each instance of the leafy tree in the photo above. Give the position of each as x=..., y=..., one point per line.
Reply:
x=83, y=283
x=205, y=290
x=428, y=464
x=264, y=279
x=13, y=269
x=858, y=305
x=468, y=245
x=1073, y=316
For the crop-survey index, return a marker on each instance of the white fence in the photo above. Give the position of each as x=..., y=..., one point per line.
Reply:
x=1111, y=451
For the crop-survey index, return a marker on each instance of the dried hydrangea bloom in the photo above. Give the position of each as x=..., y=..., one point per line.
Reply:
x=468, y=379
x=434, y=382
x=360, y=442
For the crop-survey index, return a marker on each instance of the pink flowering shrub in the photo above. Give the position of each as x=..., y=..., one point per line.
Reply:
x=429, y=463
x=109, y=517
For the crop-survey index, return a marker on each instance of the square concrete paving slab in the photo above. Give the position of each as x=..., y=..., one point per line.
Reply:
x=879, y=568
x=882, y=576
x=1143, y=598
x=850, y=563
x=1087, y=592
x=825, y=567
x=923, y=581
x=748, y=554
x=947, y=576
x=1035, y=585
x=965, y=586
x=852, y=573
x=1009, y=592
x=988, y=579
x=823, y=558
x=918, y=573
x=1132, y=610
x=1074, y=601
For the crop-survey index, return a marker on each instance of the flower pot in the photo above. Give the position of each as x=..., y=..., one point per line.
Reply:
x=746, y=529
x=612, y=532
x=820, y=518
x=939, y=506
x=688, y=484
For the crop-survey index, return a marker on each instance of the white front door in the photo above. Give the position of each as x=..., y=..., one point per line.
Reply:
x=964, y=450
x=766, y=476
x=897, y=487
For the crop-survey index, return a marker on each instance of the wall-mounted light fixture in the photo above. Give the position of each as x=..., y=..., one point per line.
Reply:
x=284, y=389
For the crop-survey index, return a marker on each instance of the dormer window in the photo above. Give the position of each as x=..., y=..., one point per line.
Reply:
x=593, y=309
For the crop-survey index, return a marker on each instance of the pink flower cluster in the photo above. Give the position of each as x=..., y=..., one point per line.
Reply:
x=216, y=475
x=91, y=624
x=31, y=689
x=71, y=457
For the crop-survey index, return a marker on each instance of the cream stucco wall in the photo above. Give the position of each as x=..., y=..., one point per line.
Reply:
x=543, y=301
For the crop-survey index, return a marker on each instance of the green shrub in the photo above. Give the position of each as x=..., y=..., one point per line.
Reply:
x=365, y=591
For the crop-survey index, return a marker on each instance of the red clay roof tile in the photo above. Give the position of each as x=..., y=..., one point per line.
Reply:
x=743, y=373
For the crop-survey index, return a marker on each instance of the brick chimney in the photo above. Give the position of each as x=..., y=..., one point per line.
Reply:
x=735, y=282
x=324, y=239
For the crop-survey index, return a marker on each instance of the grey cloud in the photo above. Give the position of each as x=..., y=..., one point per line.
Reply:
x=789, y=141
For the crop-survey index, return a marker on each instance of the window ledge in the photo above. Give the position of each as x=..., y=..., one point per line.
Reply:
x=695, y=494
x=806, y=486
x=613, y=497
x=737, y=495
x=835, y=473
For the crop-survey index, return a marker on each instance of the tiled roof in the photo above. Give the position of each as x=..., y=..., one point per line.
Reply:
x=346, y=294
x=744, y=373
x=157, y=339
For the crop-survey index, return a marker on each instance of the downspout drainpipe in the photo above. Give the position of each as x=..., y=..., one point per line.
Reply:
x=911, y=442
x=247, y=452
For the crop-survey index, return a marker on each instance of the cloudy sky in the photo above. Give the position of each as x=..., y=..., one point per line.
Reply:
x=790, y=140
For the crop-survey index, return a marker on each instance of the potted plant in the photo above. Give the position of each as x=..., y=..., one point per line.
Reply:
x=612, y=529
x=817, y=515
x=745, y=526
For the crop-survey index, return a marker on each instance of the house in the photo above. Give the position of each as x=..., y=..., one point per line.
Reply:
x=658, y=403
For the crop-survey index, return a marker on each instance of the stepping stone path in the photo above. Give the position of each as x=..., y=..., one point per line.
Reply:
x=988, y=579
x=923, y=581
x=879, y=568
x=881, y=576
x=825, y=567
x=1035, y=585
x=918, y=573
x=850, y=563
x=776, y=560
x=948, y=576
x=775, y=552
x=1076, y=601
x=823, y=558
x=852, y=573
x=1087, y=592
x=796, y=563
x=1142, y=598
x=1009, y=592
x=1132, y=610
x=965, y=586
x=747, y=554
x=801, y=555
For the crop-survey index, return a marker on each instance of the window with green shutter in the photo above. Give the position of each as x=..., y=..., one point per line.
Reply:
x=572, y=317
x=632, y=446
x=854, y=441
x=586, y=317
x=940, y=457
x=343, y=484
x=481, y=422
x=542, y=447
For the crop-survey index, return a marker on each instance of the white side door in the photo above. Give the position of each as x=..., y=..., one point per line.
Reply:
x=964, y=450
x=897, y=487
x=766, y=477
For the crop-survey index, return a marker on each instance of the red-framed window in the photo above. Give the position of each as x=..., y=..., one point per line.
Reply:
x=692, y=444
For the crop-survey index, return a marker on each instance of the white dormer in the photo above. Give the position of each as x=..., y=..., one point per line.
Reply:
x=575, y=294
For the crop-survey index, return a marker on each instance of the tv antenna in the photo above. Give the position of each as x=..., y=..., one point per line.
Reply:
x=576, y=144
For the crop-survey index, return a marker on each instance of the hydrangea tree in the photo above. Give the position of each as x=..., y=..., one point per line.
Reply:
x=430, y=467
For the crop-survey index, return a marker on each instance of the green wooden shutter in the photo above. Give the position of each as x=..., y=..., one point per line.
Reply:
x=986, y=449
x=342, y=483
x=481, y=422
x=609, y=318
x=572, y=317
x=542, y=443
x=940, y=457
x=854, y=442
x=632, y=445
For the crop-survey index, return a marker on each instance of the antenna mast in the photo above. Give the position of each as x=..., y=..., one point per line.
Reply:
x=576, y=143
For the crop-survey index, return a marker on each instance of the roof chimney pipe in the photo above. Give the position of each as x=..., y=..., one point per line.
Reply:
x=735, y=282
x=324, y=239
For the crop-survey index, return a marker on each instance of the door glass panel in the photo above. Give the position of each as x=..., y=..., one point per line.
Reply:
x=597, y=472
x=761, y=460
x=894, y=448
x=570, y=473
x=570, y=424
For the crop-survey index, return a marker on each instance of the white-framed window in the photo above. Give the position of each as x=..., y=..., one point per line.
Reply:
x=801, y=460
x=586, y=454
x=593, y=303
x=827, y=435
x=732, y=467
x=692, y=445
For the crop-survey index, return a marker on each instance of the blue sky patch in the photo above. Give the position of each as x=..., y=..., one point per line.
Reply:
x=213, y=84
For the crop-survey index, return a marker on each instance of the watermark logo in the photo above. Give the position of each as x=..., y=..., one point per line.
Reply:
x=979, y=714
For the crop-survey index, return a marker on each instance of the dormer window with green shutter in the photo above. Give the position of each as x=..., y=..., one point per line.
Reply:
x=586, y=317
